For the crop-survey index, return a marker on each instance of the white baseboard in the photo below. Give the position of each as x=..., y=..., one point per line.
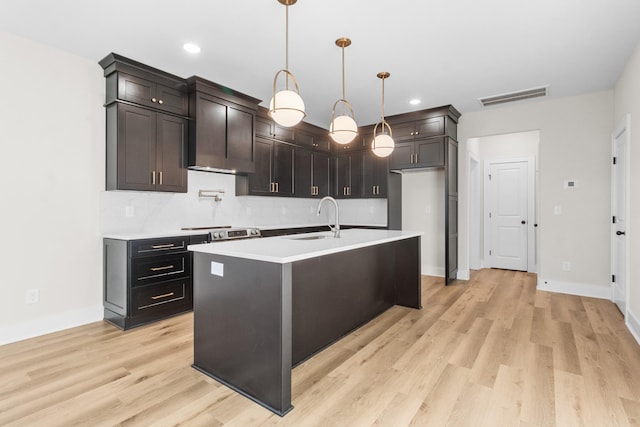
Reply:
x=48, y=324
x=572, y=288
x=430, y=270
x=633, y=324
x=463, y=275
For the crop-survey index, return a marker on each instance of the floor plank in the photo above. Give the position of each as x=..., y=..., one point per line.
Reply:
x=489, y=351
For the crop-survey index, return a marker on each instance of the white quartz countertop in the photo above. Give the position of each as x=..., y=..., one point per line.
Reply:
x=297, y=247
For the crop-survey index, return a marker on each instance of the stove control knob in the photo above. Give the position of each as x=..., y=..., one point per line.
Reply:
x=216, y=235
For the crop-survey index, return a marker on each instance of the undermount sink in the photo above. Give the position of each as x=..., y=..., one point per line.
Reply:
x=308, y=237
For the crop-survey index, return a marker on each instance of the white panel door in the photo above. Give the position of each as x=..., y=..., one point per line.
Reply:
x=620, y=209
x=508, y=186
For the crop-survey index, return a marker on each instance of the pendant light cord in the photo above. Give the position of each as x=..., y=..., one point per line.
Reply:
x=286, y=63
x=383, y=104
x=343, y=96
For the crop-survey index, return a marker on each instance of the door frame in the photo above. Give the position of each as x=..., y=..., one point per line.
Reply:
x=474, y=228
x=531, y=208
x=623, y=126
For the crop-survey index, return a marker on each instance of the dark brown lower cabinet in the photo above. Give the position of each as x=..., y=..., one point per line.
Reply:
x=146, y=280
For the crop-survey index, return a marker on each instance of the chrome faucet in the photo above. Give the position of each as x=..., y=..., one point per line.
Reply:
x=336, y=229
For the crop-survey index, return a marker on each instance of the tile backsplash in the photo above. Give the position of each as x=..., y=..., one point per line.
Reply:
x=144, y=211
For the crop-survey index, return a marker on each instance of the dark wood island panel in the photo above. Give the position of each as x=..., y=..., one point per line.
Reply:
x=255, y=320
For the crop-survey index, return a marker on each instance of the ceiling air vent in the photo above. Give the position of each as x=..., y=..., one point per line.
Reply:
x=514, y=96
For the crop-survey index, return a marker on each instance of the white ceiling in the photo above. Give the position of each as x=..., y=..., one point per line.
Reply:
x=443, y=52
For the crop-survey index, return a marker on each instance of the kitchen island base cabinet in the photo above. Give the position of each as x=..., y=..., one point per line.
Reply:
x=255, y=320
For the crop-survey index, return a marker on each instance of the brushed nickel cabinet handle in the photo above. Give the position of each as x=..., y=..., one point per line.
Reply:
x=166, y=267
x=154, y=100
x=168, y=245
x=170, y=294
x=160, y=178
x=160, y=101
x=153, y=177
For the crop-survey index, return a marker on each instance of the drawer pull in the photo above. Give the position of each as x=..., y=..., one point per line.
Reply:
x=163, y=246
x=166, y=267
x=170, y=294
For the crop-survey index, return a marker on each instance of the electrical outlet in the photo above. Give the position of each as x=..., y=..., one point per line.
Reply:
x=427, y=209
x=566, y=266
x=31, y=296
x=128, y=211
x=557, y=210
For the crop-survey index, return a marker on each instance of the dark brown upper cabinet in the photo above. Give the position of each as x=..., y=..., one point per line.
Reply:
x=374, y=175
x=422, y=153
x=151, y=94
x=424, y=128
x=348, y=175
x=147, y=127
x=222, y=128
x=311, y=177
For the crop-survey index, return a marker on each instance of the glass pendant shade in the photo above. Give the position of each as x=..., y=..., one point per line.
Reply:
x=286, y=108
x=343, y=129
x=382, y=144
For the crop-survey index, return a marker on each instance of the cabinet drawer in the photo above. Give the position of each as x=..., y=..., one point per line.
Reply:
x=159, y=246
x=146, y=270
x=163, y=296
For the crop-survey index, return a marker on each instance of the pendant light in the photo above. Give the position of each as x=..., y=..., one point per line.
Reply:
x=382, y=144
x=343, y=129
x=286, y=107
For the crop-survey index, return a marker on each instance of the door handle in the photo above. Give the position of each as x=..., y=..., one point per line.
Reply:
x=523, y=222
x=621, y=233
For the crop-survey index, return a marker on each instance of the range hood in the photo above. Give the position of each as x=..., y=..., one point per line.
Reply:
x=221, y=128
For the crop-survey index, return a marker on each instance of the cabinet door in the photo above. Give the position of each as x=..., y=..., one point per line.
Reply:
x=260, y=180
x=304, y=139
x=282, y=172
x=172, y=100
x=264, y=127
x=136, y=148
x=375, y=171
x=283, y=134
x=429, y=152
x=171, y=150
x=349, y=175
x=402, y=156
x=403, y=131
x=207, y=143
x=430, y=127
x=355, y=189
x=240, y=139
x=343, y=175
x=321, y=165
x=302, y=173
x=152, y=94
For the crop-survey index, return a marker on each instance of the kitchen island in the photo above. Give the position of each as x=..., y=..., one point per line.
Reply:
x=262, y=306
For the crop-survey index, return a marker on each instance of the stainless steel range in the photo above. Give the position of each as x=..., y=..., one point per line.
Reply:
x=219, y=234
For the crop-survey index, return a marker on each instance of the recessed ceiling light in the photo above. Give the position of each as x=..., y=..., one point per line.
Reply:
x=415, y=101
x=191, y=48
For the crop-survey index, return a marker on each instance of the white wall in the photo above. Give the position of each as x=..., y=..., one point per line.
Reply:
x=627, y=100
x=574, y=143
x=171, y=211
x=52, y=169
x=55, y=209
x=423, y=210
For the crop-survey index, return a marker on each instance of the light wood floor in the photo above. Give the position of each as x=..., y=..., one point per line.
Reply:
x=492, y=351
